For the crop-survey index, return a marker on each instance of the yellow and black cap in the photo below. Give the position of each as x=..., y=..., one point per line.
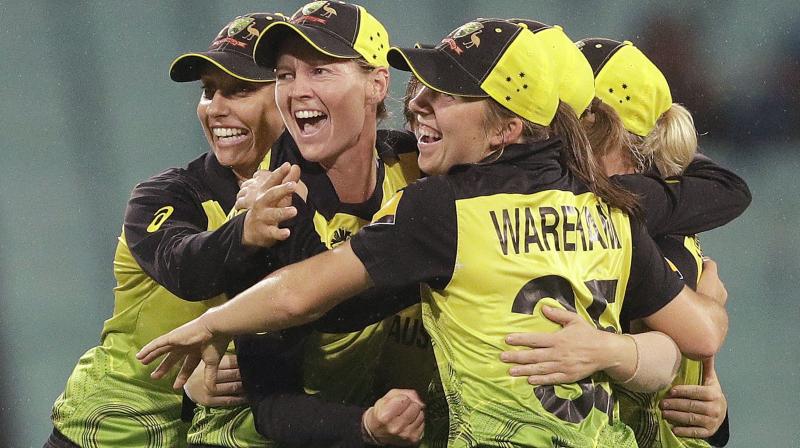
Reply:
x=627, y=81
x=488, y=58
x=334, y=28
x=576, y=86
x=231, y=51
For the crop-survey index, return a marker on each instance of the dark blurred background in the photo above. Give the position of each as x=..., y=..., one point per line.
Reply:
x=88, y=111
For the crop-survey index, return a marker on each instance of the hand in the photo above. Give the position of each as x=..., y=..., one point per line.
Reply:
x=191, y=342
x=710, y=284
x=229, y=390
x=396, y=419
x=263, y=180
x=565, y=356
x=268, y=196
x=696, y=411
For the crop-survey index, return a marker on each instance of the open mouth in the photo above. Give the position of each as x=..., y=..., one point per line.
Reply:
x=426, y=134
x=230, y=135
x=310, y=121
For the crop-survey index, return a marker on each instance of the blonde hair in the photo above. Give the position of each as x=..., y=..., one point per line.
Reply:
x=576, y=152
x=670, y=146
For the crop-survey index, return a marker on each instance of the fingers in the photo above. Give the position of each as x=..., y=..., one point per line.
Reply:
x=225, y=401
x=539, y=368
x=187, y=368
x=273, y=195
x=233, y=388
x=153, y=350
x=292, y=175
x=210, y=377
x=692, y=432
x=166, y=365
x=552, y=378
x=411, y=394
x=689, y=424
x=228, y=375
x=229, y=361
x=710, y=266
x=530, y=356
x=559, y=316
x=678, y=395
x=532, y=340
x=398, y=413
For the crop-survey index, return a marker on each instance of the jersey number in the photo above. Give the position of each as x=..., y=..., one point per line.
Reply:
x=561, y=290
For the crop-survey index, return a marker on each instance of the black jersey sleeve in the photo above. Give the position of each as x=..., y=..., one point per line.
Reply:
x=413, y=239
x=271, y=368
x=652, y=283
x=705, y=197
x=360, y=311
x=166, y=230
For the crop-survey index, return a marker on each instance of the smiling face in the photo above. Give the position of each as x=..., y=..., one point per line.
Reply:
x=328, y=104
x=239, y=119
x=450, y=130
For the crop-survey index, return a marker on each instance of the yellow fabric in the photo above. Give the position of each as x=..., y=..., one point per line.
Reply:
x=372, y=40
x=641, y=411
x=576, y=86
x=635, y=88
x=524, y=79
x=469, y=319
x=110, y=399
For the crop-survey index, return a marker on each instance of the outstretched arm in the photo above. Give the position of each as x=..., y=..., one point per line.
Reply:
x=291, y=296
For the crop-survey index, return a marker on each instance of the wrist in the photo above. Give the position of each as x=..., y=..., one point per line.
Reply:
x=624, y=360
x=366, y=433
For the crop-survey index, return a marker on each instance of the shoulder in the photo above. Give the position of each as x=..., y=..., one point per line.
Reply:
x=185, y=180
x=391, y=144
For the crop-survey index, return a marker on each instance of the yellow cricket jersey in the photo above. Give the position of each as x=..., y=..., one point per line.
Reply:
x=175, y=246
x=336, y=367
x=641, y=411
x=494, y=242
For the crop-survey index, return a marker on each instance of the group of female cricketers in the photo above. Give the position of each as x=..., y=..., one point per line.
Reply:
x=377, y=284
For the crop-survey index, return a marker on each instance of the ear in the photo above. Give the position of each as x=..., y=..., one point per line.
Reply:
x=377, y=85
x=510, y=132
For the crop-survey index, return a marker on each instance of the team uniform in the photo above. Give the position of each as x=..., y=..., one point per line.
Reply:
x=309, y=385
x=500, y=240
x=641, y=411
x=176, y=257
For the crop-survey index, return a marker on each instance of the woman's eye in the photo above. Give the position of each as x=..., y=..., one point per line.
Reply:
x=284, y=76
x=208, y=92
x=318, y=71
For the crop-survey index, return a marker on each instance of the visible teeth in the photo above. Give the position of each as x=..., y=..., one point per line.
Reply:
x=227, y=132
x=308, y=114
x=424, y=131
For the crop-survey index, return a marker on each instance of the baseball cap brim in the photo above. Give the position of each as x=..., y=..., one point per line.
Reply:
x=189, y=67
x=327, y=43
x=437, y=70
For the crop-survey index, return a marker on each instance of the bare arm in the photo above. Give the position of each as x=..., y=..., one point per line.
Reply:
x=696, y=322
x=644, y=362
x=291, y=296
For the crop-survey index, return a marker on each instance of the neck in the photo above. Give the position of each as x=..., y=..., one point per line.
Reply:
x=354, y=173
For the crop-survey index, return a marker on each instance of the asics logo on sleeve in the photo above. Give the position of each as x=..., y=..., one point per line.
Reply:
x=161, y=215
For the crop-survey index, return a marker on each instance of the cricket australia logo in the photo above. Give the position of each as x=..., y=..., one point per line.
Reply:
x=239, y=25
x=340, y=236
